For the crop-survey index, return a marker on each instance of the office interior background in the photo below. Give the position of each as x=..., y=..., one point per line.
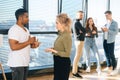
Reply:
x=42, y=14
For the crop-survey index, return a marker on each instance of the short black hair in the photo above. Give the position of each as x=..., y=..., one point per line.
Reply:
x=20, y=12
x=108, y=12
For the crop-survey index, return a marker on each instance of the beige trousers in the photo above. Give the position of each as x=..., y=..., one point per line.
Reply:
x=79, y=48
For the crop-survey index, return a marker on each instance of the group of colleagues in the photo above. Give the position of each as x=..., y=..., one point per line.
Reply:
x=20, y=43
x=85, y=37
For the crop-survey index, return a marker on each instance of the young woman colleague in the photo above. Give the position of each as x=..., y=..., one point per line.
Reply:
x=91, y=33
x=62, y=48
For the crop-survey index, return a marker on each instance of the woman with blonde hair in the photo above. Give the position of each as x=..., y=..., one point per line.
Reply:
x=62, y=48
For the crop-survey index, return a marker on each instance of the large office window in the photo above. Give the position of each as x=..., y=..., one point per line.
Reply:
x=114, y=5
x=7, y=11
x=42, y=15
x=38, y=56
x=71, y=7
x=96, y=9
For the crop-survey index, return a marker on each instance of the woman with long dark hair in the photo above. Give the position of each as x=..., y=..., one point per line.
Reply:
x=91, y=33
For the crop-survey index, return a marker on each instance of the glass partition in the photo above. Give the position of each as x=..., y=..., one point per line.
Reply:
x=71, y=7
x=114, y=5
x=42, y=14
x=96, y=9
x=7, y=12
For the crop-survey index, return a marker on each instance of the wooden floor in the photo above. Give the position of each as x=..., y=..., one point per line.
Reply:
x=86, y=76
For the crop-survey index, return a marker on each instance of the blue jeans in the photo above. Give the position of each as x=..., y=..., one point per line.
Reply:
x=90, y=44
x=109, y=53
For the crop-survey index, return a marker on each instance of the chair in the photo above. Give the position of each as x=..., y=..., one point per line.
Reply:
x=4, y=76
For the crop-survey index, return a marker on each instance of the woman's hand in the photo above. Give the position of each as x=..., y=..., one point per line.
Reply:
x=94, y=32
x=51, y=50
x=87, y=34
x=81, y=31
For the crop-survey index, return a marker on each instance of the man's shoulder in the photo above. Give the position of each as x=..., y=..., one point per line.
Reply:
x=13, y=28
x=77, y=23
x=113, y=21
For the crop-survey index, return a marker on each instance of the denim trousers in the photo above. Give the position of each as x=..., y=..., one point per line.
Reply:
x=109, y=53
x=91, y=45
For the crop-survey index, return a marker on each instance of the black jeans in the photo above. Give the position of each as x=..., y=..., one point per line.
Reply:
x=19, y=73
x=109, y=53
x=61, y=68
